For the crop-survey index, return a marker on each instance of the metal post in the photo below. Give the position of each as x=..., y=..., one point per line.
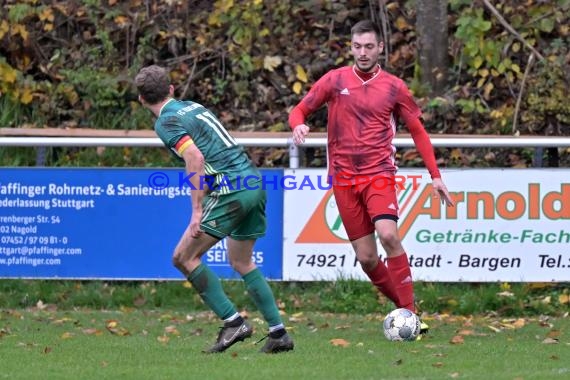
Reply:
x=293, y=154
x=41, y=155
x=537, y=159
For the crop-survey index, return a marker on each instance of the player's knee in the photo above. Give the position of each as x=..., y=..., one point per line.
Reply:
x=368, y=264
x=177, y=259
x=368, y=259
x=238, y=265
x=390, y=239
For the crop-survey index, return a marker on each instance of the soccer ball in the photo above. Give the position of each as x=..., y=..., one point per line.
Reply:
x=401, y=324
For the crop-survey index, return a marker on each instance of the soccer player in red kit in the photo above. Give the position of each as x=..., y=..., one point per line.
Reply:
x=364, y=102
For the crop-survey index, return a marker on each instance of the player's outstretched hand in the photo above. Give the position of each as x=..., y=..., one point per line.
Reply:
x=299, y=133
x=439, y=191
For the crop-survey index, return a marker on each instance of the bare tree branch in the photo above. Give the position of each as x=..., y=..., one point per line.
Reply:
x=385, y=31
x=518, y=105
x=511, y=29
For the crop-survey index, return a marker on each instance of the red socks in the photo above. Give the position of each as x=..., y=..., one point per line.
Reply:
x=380, y=277
x=399, y=269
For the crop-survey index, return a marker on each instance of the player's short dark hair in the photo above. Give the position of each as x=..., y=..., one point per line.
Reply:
x=153, y=84
x=366, y=26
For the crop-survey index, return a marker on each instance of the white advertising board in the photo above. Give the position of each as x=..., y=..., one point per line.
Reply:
x=509, y=225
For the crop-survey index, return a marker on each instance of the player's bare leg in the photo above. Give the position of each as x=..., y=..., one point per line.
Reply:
x=186, y=258
x=398, y=264
x=241, y=252
x=189, y=251
x=367, y=255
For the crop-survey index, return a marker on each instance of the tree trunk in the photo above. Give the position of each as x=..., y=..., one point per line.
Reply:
x=431, y=26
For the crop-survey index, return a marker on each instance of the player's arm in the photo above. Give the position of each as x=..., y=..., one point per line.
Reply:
x=425, y=148
x=178, y=140
x=297, y=119
x=317, y=96
x=423, y=145
x=410, y=113
x=194, y=162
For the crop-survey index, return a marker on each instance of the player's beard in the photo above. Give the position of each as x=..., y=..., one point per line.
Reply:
x=370, y=65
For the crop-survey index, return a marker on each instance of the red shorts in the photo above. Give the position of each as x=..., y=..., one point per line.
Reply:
x=360, y=206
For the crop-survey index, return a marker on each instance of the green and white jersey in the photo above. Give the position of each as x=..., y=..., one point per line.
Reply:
x=227, y=166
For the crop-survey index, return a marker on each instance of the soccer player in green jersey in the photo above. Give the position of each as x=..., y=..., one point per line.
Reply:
x=222, y=207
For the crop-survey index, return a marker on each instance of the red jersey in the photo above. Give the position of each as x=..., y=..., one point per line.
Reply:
x=362, y=120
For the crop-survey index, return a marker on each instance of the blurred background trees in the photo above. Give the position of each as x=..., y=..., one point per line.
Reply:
x=70, y=64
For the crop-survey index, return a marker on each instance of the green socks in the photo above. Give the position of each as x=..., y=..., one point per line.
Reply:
x=208, y=285
x=262, y=296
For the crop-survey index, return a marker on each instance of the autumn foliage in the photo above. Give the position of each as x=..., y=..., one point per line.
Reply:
x=71, y=64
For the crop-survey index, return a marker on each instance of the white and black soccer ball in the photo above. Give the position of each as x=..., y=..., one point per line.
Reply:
x=401, y=324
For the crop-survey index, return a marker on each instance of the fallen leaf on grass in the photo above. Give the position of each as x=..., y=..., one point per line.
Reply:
x=544, y=324
x=22, y=344
x=63, y=320
x=92, y=331
x=165, y=317
x=550, y=341
x=339, y=342
x=47, y=350
x=398, y=362
x=296, y=319
x=163, y=339
x=564, y=299
x=66, y=335
x=454, y=375
x=553, y=334
x=457, y=339
x=437, y=364
x=519, y=323
x=494, y=328
x=554, y=357
x=119, y=331
x=171, y=330
x=114, y=328
x=465, y=332
x=187, y=284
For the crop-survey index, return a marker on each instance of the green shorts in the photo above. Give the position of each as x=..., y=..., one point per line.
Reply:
x=239, y=214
